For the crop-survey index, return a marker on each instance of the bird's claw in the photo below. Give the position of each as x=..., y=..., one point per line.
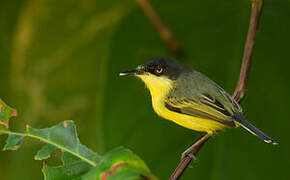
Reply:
x=189, y=154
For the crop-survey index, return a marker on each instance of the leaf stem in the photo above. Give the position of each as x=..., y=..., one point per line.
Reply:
x=14, y=133
x=52, y=143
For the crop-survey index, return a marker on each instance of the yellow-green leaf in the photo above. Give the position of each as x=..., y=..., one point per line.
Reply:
x=6, y=113
x=120, y=164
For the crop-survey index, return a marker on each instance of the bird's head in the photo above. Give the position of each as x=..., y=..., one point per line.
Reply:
x=158, y=74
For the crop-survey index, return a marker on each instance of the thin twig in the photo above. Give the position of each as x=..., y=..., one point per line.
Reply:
x=186, y=160
x=242, y=85
x=164, y=32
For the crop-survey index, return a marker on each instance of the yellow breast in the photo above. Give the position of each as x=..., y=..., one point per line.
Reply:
x=159, y=88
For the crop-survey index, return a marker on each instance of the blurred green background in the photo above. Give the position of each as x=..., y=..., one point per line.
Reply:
x=60, y=60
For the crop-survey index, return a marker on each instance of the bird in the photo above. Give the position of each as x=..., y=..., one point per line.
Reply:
x=191, y=99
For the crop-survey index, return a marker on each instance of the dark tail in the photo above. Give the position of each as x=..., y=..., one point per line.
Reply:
x=252, y=129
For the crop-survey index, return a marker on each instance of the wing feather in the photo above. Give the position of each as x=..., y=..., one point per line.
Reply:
x=207, y=108
x=201, y=97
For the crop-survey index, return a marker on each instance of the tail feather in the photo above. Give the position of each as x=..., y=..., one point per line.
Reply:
x=255, y=131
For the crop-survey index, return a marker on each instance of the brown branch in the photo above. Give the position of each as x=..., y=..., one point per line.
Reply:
x=164, y=32
x=242, y=85
x=187, y=159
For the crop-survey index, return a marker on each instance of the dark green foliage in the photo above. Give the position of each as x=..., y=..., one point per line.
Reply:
x=77, y=159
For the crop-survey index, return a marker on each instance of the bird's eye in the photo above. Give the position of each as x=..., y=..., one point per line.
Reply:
x=159, y=70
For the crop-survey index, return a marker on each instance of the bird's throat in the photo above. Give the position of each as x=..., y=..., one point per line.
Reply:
x=159, y=87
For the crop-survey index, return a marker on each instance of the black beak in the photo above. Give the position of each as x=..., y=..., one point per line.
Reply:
x=132, y=72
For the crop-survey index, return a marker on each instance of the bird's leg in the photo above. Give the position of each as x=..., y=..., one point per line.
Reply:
x=192, y=150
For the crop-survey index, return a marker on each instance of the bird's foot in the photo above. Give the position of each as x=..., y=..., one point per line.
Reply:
x=188, y=153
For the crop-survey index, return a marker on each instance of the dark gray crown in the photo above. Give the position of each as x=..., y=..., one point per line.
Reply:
x=171, y=68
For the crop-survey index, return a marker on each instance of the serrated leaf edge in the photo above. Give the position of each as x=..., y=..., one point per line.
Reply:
x=59, y=147
x=49, y=142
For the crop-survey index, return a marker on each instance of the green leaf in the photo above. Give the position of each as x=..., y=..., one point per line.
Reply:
x=120, y=164
x=72, y=168
x=78, y=161
x=44, y=152
x=13, y=142
x=6, y=113
x=64, y=137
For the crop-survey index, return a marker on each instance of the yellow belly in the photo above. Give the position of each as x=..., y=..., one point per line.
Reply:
x=159, y=88
x=190, y=122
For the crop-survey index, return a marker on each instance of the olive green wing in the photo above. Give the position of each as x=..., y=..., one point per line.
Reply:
x=204, y=108
x=203, y=98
